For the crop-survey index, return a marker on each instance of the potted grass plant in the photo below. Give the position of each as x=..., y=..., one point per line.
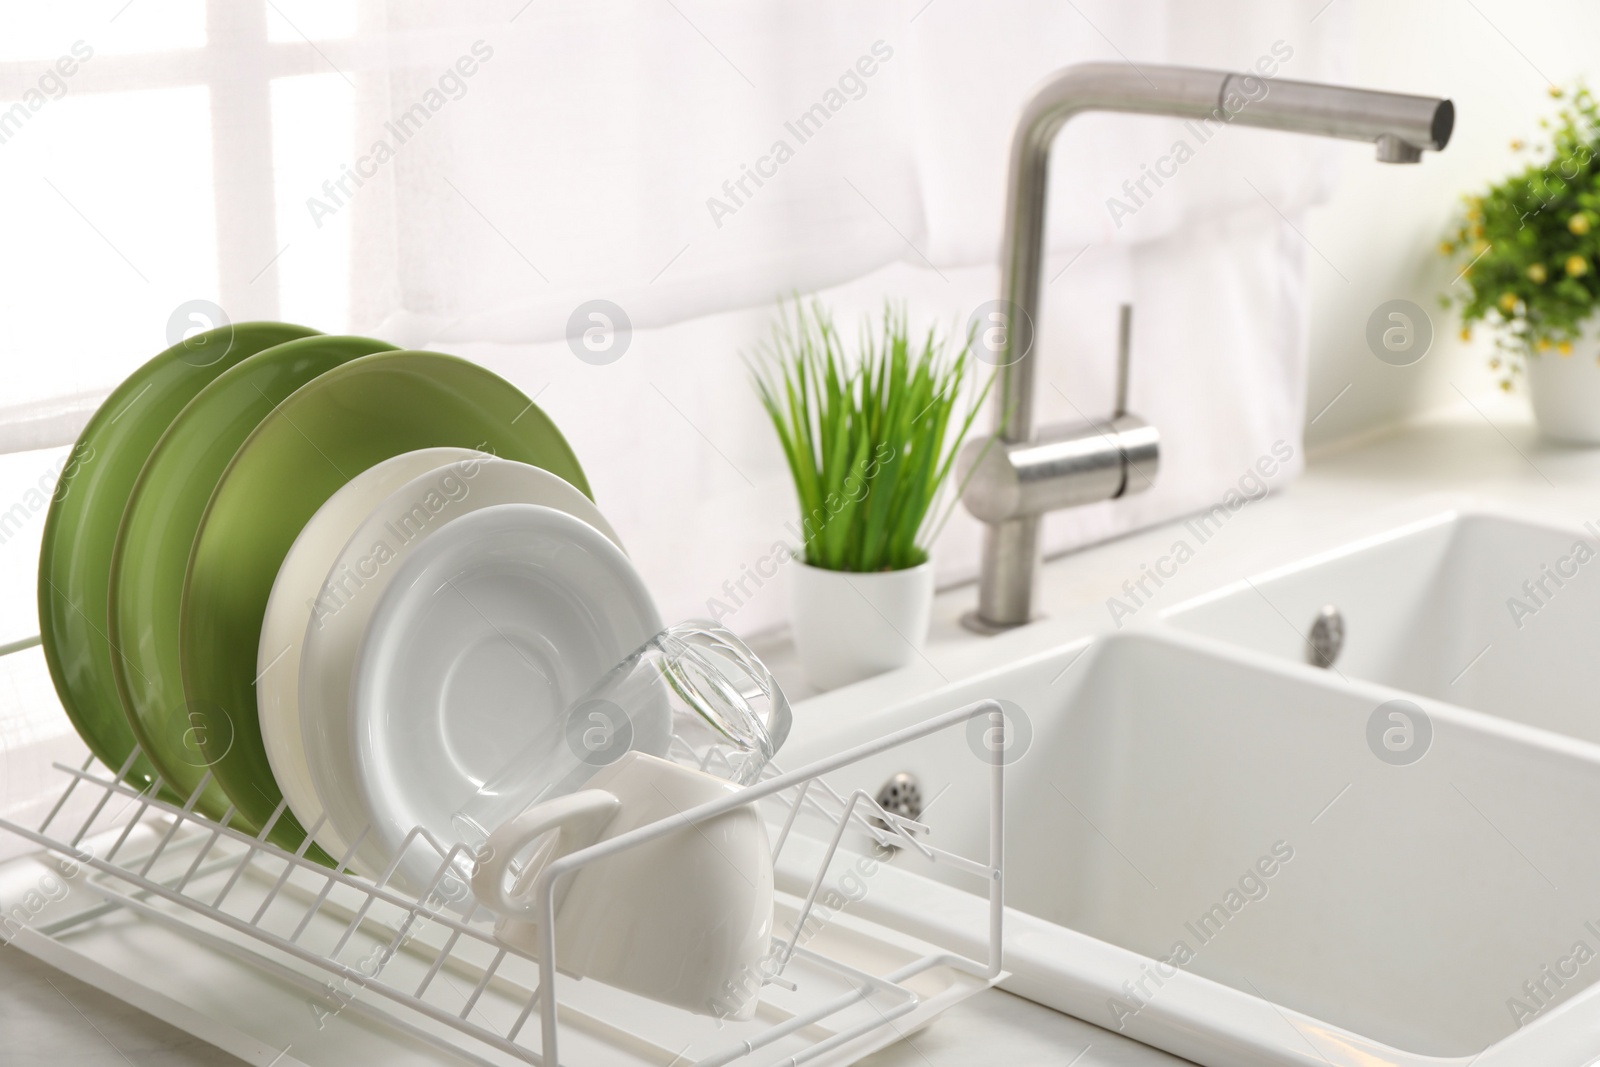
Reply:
x=870, y=438
x=1529, y=249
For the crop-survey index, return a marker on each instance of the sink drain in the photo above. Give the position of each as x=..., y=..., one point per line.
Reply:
x=1326, y=639
x=901, y=795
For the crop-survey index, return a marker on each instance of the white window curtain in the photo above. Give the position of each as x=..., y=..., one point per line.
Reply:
x=690, y=163
x=463, y=176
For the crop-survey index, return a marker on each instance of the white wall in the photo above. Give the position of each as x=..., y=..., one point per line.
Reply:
x=1495, y=59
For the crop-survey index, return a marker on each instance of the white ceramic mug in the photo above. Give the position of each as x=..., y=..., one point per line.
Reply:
x=685, y=919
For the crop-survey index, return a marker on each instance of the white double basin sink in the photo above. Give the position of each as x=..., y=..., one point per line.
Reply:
x=1219, y=849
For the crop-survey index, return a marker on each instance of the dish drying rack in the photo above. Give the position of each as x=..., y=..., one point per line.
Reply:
x=829, y=991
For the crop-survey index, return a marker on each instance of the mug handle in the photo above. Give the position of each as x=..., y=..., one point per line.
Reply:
x=578, y=819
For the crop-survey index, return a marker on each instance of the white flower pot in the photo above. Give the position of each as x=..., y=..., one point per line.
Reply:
x=850, y=626
x=1566, y=390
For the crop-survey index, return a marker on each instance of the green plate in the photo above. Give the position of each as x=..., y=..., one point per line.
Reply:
x=323, y=435
x=80, y=529
x=158, y=530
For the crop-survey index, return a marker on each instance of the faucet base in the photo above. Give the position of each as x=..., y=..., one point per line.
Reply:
x=1007, y=576
x=972, y=620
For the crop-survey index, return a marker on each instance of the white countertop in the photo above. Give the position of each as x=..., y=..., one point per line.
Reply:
x=1494, y=454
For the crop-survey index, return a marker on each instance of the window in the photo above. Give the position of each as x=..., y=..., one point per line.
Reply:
x=140, y=171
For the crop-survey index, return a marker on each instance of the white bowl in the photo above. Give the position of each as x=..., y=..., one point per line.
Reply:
x=483, y=638
x=351, y=588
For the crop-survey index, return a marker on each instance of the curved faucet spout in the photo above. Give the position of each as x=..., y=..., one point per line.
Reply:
x=1401, y=126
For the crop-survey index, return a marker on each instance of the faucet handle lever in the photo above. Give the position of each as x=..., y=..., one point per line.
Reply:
x=1124, y=342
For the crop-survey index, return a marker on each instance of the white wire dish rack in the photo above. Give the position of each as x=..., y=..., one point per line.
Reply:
x=425, y=972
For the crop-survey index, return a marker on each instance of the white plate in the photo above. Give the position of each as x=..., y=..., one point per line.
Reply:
x=483, y=638
x=295, y=590
x=352, y=587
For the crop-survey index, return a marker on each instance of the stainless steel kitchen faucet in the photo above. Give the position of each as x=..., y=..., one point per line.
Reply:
x=1022, y=474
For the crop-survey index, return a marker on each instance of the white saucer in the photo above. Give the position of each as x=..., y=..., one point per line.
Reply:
x=294, y=591
x=352, y=587
x=485, y=635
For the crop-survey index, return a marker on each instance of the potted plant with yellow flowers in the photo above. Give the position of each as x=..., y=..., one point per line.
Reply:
x=1529, y=249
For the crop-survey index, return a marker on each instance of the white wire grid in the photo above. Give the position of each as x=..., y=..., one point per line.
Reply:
x=180, y=857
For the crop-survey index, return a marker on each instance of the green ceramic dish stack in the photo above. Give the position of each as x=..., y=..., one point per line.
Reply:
x=167, y=531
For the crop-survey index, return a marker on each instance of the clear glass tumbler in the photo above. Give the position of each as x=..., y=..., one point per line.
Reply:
x=694, y=693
